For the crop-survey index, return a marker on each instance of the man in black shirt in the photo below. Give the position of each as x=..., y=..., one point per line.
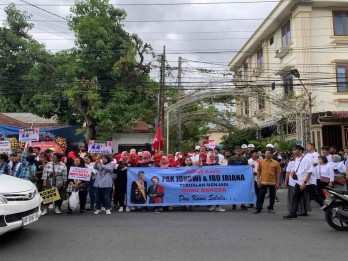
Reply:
x=238, y=159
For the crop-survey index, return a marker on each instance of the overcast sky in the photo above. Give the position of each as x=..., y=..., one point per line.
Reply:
x=187, y=39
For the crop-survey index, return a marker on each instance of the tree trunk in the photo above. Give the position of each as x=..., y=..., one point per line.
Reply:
x=91, y=131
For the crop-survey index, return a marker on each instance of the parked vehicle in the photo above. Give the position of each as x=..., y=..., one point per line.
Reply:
x=19, y=203
x=336, y=209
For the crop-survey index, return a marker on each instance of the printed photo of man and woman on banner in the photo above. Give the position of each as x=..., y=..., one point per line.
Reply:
x=215, y=185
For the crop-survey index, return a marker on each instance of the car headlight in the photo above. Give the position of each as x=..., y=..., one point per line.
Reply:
x=3, y=200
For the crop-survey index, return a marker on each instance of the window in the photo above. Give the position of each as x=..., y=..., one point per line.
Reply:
x=341, y=76
x=271, y=40
x=245, y=106
x=259, y=58
x=245, y=71
x=262, y=102
x=288, y=84
x=340, y=21
x=286, y=34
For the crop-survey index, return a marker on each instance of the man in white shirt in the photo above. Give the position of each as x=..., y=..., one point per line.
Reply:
x=195, y=158
x=218, y=155
x=254, y=163
x=325, y=151
x=302, y=172
x=312, y=155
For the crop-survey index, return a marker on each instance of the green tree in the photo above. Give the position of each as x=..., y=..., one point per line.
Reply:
x=102, y=82
x=238, y=137
x=19, y=54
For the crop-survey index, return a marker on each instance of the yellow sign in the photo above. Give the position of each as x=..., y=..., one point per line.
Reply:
x=50, y=195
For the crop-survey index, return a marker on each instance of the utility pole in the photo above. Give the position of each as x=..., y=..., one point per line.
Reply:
x=162, y=87
x=307, y=121
x=178, y=111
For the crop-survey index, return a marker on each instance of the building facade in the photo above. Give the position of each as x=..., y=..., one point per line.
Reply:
x=309, y=37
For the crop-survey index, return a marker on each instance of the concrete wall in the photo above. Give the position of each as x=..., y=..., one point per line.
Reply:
x=131, y=139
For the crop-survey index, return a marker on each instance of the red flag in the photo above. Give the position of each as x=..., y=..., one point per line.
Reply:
x=158, y=142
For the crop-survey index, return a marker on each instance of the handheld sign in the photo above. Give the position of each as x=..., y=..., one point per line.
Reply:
x=29, y=134
x=96, y=146
x=83, y=174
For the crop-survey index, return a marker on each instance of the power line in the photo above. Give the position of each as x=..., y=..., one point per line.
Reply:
x=176, y=4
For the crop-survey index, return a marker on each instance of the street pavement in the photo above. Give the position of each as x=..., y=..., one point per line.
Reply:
x=178, y=235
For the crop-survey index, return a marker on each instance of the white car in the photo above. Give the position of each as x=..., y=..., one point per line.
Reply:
x=20, y=203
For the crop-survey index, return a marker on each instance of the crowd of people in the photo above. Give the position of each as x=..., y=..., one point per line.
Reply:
x=303, y=171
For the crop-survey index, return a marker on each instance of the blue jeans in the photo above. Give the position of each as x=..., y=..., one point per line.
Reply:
x=91, y=192
x=103, y=193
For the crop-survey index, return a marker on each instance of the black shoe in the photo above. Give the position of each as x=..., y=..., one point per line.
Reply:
x=290, y=216
x=257, y=212
x=270, y=210
x=303, y=215
x=82, y=212
x=243, y=208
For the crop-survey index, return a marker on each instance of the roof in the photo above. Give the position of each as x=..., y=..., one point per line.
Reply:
x=29, y=118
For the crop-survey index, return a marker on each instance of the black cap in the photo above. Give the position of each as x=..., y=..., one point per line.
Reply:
x=298, y=147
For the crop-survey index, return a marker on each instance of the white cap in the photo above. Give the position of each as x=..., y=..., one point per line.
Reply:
x=251, y=146
x=197, y=147
x=244, y=146
x=269, y=146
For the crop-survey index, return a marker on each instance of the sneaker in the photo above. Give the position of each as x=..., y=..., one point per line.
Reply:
x=120, y=209
x=44, y=212
x=220, y=209
x=128, y=209
x=157, y=211
x=108, y=212
x=103, y=209
x=57, y=211
x=211, y=208
x=97, y=212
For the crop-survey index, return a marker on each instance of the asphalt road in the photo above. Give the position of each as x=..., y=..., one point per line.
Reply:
x=178, y=235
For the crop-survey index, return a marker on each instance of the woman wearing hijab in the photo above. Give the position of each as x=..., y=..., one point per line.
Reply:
x=103, y=183
x=146, y=161
x=172, y=162
x=339, y=169
x=202, y=159
x=211, y=161
x=134, y=160
x=164, y=163
x=180, y=159
x=80, y=186
x=121, y=182
x=157, y=159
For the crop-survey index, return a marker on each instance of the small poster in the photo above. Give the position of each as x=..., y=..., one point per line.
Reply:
x=80, y=173
x=96, y=146
x=29, y=134
x=5, y=147
x=50, y=195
